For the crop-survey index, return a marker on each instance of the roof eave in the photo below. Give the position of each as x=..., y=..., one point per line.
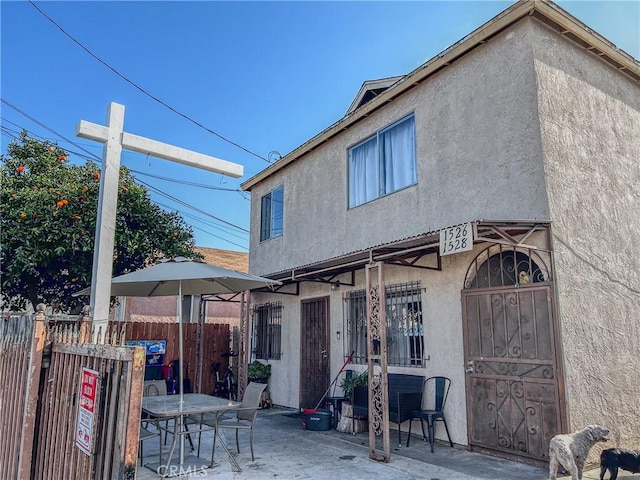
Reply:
x=491, y=28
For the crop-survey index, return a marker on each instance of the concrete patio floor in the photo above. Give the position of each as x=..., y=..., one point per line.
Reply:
x=284, y=450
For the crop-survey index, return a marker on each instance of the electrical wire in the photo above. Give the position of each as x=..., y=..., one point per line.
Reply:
x=186, y=117
x=95, y=157
x=177, y=200
x=37, y=122
x=12, y=134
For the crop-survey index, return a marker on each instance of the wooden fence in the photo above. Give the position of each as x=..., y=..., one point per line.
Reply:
x=42, y=365
x=21, y=345
x=201, y=348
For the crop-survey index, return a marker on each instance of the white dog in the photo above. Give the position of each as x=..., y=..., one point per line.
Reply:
x=570, y=450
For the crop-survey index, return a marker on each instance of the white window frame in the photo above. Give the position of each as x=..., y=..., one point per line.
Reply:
x=371, y=173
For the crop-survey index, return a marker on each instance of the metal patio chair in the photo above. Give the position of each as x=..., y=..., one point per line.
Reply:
x=440, y=387
x=245, y=416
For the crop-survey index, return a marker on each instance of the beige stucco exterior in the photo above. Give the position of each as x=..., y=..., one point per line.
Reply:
x=527, y=126
x=590, y=123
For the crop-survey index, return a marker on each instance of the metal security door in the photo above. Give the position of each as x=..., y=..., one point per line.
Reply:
x=512, y=383
x=314, y=354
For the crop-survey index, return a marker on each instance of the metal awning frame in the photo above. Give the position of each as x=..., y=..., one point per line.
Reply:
x=406, y=253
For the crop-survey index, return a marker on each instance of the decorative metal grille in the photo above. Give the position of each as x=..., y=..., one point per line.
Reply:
x=503, y=266
x=405, y=327
x=267, y=325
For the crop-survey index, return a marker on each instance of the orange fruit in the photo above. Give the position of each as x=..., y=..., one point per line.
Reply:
x=62, y=158
x=65, y=201
x=51, y=149
x=20, y=169
x=85, y=188
x=96, y=175
x=60, y=204
x=175, y=234
x=83, y=233
x=22, y=215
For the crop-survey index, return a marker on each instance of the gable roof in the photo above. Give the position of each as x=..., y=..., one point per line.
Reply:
x=545, y=11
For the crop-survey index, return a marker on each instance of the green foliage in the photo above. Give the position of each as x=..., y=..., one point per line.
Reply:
x=47, y=226
x=258, y=371
x=349, y=383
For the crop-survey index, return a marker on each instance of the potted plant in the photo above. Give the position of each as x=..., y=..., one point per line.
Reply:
x=349, y=383
x=258, y=372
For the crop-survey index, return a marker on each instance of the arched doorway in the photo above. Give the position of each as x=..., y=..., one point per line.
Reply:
x=512, y=382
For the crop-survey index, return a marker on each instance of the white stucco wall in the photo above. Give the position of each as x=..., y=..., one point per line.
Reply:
x=478, y=151
x=590, y=123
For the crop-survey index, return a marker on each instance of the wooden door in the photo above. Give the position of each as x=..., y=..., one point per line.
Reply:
x=512, y=383
x=314, y=351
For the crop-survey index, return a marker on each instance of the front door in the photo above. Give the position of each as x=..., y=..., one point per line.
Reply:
x=512, y=382
x=314, y=352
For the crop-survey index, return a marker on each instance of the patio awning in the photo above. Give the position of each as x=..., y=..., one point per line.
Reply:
x=405, y=252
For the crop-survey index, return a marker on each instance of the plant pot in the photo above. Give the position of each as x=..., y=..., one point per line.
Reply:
x=259, y=380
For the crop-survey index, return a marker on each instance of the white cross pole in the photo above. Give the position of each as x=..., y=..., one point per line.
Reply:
x=115, y=139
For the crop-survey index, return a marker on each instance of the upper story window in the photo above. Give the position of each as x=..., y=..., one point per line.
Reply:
x=272, y=214
x=384, y=163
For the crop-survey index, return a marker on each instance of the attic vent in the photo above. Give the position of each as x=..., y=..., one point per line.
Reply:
x=370, y=90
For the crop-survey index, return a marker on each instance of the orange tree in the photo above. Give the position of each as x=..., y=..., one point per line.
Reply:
x=47, y=226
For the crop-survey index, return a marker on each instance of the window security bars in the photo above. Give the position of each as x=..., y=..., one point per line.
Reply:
x=267, y=331
x=405, y=326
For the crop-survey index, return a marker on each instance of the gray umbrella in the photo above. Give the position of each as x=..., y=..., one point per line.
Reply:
x=182, y=276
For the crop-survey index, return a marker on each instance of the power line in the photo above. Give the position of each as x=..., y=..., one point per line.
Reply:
x=7, y=132
x=186, y=117
x=94, y=156
x=170, y=197
x=48, y=129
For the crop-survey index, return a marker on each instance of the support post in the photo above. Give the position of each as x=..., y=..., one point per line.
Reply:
x=377, y=361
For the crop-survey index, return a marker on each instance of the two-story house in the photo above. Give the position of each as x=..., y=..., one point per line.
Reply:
x=494, y=195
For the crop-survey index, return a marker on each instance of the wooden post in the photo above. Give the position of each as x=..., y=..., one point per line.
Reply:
x=31, y=391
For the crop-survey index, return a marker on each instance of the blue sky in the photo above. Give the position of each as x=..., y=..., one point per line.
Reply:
x=265, y=75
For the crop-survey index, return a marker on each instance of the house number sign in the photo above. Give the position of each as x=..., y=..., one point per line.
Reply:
x=456, y=239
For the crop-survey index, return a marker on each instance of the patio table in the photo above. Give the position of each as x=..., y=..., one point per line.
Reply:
x=193, y=404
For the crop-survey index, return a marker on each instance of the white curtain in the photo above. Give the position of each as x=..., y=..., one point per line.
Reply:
x=399, y=163
x=364, y=175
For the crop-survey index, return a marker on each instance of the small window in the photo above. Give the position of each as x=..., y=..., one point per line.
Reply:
x=272, y=214
x=267, y=325
x=384, y=163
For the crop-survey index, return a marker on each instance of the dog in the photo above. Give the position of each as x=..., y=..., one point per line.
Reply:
x=570, y=450
x=614, y=458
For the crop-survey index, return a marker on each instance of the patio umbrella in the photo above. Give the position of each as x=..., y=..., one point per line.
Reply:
x=182, y=276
